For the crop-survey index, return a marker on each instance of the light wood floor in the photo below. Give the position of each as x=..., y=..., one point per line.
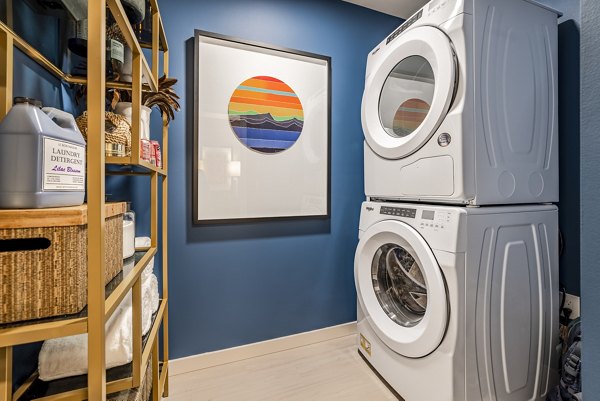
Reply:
x=327, y=371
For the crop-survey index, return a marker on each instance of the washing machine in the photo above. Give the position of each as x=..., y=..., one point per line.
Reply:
x=460, y=105
x=459, y=303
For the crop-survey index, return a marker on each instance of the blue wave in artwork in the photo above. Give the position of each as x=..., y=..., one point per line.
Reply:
x=268, y=134
x=273, y=145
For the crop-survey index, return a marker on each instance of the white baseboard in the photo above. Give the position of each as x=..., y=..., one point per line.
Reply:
x=229, y=355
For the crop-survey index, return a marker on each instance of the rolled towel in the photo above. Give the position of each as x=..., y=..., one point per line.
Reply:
x=150, y=302
x=142, y=242
x=65, y=357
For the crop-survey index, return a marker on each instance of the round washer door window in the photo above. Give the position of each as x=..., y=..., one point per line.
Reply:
x=401, y=288
x=399, y=284
x=406, y=96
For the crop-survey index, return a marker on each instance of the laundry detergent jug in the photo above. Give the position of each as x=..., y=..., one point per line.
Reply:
x=42, y=158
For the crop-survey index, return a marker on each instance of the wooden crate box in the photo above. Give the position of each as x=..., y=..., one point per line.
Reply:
x=43, y=260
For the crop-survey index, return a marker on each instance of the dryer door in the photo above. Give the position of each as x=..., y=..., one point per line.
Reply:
x=401, y=288
x=409, y=93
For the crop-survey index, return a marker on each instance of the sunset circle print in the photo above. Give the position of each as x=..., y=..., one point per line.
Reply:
x=266, y=115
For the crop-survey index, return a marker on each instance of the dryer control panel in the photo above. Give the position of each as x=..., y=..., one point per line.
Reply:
x=434, y=5
x=404, y=26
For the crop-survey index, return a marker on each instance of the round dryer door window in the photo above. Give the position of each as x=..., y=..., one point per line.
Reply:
x=406, y=96
x=401, y=288
x=408, y=92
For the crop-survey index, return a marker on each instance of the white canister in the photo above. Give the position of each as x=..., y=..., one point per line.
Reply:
x=125, y=109
x=128, y=232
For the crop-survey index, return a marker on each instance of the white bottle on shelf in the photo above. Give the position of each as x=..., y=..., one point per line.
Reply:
x=42, y=158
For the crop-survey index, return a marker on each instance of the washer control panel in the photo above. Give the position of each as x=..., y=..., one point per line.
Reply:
x=437, y=220
x=399, y=211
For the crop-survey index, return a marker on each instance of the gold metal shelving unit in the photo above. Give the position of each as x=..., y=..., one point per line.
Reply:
x=101, y=305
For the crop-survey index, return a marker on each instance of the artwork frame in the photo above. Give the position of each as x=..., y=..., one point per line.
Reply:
x=230, y=158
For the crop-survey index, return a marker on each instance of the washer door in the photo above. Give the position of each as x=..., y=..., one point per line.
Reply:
x=409, y=93
x=401, y=288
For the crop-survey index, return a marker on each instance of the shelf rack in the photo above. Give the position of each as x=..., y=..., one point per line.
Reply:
x=102, y=302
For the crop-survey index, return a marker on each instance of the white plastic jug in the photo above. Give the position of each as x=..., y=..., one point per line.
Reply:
x=42, y=158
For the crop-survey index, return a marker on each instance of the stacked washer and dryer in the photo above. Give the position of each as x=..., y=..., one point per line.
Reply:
x=457, y=264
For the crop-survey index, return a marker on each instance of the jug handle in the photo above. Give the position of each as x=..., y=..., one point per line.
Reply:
x=61, y=118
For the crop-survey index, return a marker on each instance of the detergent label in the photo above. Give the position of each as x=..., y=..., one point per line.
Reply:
x=117, y=50
x=64, y=166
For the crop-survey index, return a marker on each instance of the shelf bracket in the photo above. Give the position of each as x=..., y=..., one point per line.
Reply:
x=6, y=72
x=6, y=373
x=95, y=195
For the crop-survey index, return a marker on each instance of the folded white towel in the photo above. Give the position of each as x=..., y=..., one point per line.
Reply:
x=142, y=242
x=65, y=357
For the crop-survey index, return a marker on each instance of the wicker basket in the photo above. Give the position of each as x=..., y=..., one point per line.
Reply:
x=142, y=393
x=117, y=129
x=43, y=260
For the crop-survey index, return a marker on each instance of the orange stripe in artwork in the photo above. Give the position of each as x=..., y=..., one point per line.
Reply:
x=251, y=102
x=274, y=111
x=265, y=96
x=259, y=83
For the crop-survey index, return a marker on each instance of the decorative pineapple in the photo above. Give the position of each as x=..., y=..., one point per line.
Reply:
x=165, y=99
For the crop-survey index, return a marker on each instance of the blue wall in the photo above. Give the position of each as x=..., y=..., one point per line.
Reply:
x=238, y=284
x=590, y=186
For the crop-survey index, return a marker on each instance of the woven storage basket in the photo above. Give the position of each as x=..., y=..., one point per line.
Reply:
x=117, y=129
x=142, y=393
x=41, y=283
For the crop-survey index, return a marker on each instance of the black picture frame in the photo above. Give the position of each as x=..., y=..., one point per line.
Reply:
x=259, y=45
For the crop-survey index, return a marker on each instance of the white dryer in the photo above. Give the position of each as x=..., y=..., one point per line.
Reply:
x=458, y=303
x=460, y=105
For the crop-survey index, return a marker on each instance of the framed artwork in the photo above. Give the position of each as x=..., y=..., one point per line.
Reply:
x=262, y=132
